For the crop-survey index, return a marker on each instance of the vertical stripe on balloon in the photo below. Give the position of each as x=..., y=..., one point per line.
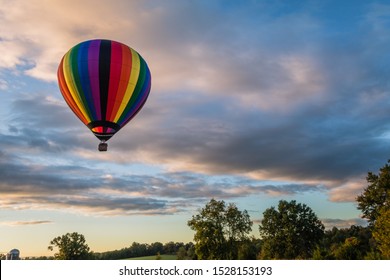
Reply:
x=114, y=79
x=75, y=66
x=104, y=75
x=84, y=78
x=93, y=73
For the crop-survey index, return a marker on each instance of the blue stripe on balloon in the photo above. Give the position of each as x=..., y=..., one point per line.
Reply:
x=85, y=79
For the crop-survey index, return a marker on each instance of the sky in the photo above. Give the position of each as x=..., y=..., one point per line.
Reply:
x=252, y=102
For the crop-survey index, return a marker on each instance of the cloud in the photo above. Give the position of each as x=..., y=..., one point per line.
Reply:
x=3, y=84
x=31, y=184
x=347, y=192
x=26, y=223
x=65, y=188
x=208, y=136
x=38, y=34
x=15, y=54
x=340, y=223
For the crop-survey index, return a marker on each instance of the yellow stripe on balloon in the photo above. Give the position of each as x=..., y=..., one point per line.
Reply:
x=135, y=69
x=72, y=87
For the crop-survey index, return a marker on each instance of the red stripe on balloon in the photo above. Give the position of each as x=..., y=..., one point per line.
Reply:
x=123, y=81
x=115, y=74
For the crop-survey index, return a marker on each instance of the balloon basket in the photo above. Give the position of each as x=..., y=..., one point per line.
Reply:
x=102, y=147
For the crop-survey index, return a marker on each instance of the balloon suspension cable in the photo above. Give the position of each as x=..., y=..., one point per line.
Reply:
x=103, y=146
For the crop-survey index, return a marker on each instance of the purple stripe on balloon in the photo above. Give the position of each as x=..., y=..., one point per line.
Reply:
x=93, y=69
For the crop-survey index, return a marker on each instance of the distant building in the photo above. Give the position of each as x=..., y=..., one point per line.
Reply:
x=14, y=254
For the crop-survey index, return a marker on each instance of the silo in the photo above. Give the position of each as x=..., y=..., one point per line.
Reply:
x=14, y=254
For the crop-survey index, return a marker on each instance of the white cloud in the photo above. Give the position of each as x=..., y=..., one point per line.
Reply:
x=12, y=54
x=3, y=84
x=40, y=32
x=340, y=223
x=348, y=191
x=25, y=223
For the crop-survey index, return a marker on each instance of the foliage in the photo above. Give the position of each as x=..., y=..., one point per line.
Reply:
x=186, y=252
x=381, y=232
x=219, y=230
x=71, y=246
x=136, y=250
x=348, y=250
x=191, y=254
x=374, y=203
x=181, y=253
x=290, y=232
x=42, y=258
x=249, y=249
x=153, y=258
x=376, y=195
x=352, y=243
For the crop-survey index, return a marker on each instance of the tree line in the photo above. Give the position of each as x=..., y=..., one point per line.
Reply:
x=293, y=231
x=289, y=231
x=143, y=249
x=73, y=246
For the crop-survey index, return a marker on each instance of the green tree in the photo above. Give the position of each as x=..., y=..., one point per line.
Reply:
x=249, y=249
x=355, y=242
x=155, y=247
x=381, y=232
x=290, y=232
x=349, y=250
x=71, y=246
x=219, y=229
x=181, y=253
x=191, y=255
x=376, y=195
x=171, y=247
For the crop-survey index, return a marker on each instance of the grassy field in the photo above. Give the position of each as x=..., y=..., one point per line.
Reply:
x=163, y=257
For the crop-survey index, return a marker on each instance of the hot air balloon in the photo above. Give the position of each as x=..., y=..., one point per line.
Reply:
x=105, y=83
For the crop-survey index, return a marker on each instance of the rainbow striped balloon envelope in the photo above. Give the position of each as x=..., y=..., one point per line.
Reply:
x=105, y=83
